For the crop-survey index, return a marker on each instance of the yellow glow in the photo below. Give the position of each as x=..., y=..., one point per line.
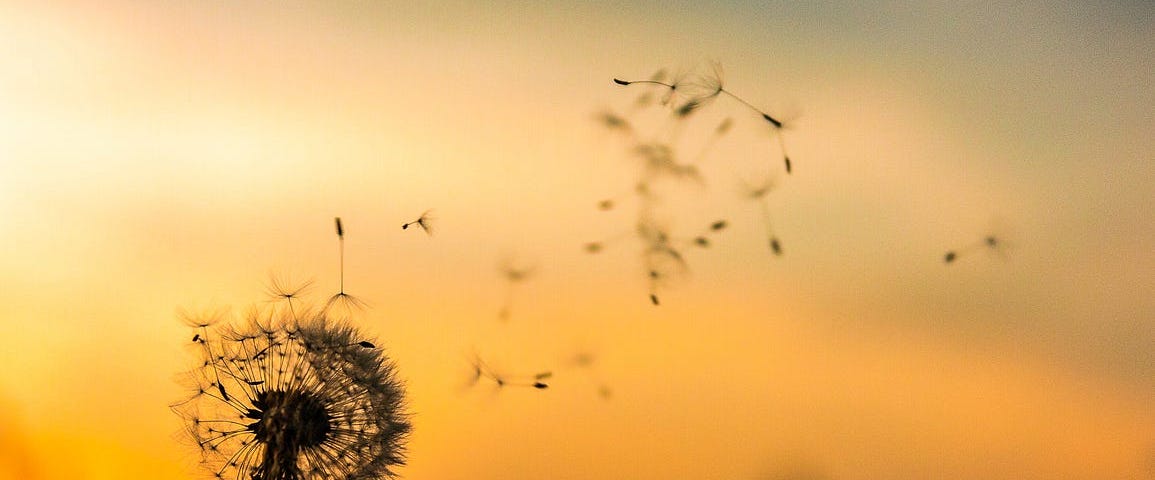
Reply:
x=163, y=156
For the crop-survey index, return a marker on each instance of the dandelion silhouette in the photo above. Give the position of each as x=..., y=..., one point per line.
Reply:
x=758, y=192
x=347, y=303
x=513, y=274
x=282, y=288
x=989, y=242
x=480, y=371
x=277, y=396
x=425, y=221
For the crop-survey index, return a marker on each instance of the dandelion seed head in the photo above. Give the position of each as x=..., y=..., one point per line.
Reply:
x=703, y=84
x=276, y=397
x=343, y=305
x=281, y=287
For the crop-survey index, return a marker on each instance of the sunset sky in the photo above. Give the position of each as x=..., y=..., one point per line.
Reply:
x=165, y=156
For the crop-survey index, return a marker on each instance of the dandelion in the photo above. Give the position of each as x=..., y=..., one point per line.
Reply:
x=585, y=360
x=996, y=242
x=700, y=88
x=990, y=243
x=348, y=303
x=514, y=274
x=703, y=240
x=662, y=163
x=659, y=80
x=758, y=192
x=281, y=287
x=481, y=371
x=277, y=397
x=425, y=221
x=705, y=86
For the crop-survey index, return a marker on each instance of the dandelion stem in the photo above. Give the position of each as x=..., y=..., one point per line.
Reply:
x=341, y=254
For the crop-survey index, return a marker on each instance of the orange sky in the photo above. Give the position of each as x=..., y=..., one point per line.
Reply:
x=170, y=155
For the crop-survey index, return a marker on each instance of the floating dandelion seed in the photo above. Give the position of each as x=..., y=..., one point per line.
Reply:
x=646, y=98
x=513, y=274
x=425, y=221
x=663, y=159
x=700, y=88
x=282, y=288
x=758, y=192
x=347, y=302
x=479, y=370
x=585, y=360
x=282, y=398
x=990, y=243
x=703, y=239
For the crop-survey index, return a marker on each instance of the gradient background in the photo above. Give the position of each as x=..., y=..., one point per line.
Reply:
x=165, y=155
